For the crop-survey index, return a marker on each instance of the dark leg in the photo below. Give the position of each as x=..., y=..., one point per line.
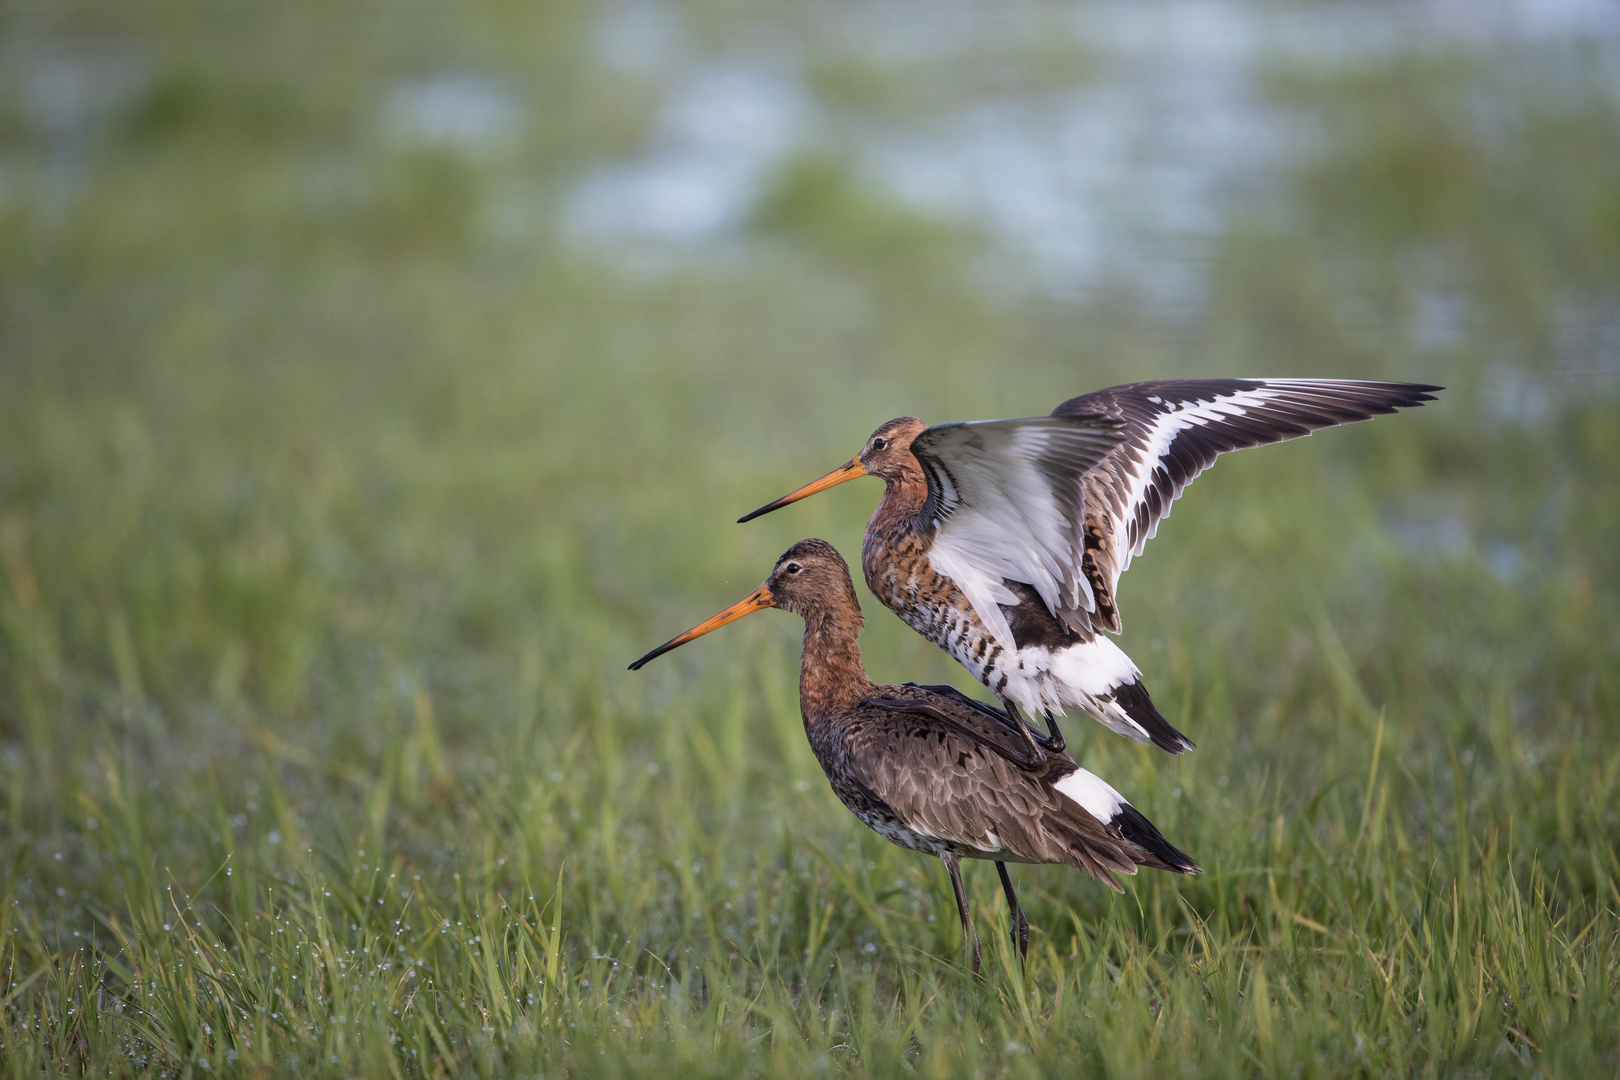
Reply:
x=1051, y=743
x=1036, y=753
x=1020, y=925
x=1054, y=736
x=952, y=863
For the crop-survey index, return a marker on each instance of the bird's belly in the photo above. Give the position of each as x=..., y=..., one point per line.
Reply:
x=874, y=814
x=1004, y=854
x=1037, y=678
x=931, y=604
x=898, y=833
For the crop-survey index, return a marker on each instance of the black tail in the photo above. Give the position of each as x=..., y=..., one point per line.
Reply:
x=1133, y=698
x=1159, y=853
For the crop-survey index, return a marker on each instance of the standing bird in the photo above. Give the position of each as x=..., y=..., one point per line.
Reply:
x=932, y=770
x=1002, y=541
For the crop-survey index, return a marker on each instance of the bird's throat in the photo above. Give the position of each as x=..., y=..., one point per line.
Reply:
x=831, y=676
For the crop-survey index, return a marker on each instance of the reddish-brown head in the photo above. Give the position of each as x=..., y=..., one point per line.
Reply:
x=810, y=579
x=887, y=454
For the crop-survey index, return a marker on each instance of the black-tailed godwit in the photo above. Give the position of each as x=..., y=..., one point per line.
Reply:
x=930, y=769
x=1002, y=541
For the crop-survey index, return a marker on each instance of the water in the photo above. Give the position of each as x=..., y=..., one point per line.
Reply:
x=1119, y=165
x=721, y=129
x=465, y=114
x=1123, y=173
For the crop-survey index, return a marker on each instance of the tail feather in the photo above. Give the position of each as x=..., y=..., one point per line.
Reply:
x=1097, y=677
x=1111, y=833
x=1157, y=852
x=1133, y=699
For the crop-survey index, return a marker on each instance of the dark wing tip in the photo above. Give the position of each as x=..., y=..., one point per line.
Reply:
x=1404, y=394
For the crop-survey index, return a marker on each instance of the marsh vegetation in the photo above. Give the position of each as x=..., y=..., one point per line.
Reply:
x=374, y=387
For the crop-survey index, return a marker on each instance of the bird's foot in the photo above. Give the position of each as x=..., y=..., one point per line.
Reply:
x=1054, y=742
x=1041, y=746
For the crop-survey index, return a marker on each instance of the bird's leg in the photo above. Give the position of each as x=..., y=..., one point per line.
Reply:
x=1020, y=925
x=1054, y=735
x=1039, y=745
x=953, y=863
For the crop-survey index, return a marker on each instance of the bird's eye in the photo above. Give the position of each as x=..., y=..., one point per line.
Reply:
x=793, y=568
x=880, y=443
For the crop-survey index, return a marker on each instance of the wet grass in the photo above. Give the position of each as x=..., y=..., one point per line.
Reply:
x=329, y=519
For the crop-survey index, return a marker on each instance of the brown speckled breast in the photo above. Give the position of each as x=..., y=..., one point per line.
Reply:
x=894, y=558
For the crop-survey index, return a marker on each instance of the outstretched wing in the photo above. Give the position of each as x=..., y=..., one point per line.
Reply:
x=1063, y=502
x=1007, y=503
x=1174, y=430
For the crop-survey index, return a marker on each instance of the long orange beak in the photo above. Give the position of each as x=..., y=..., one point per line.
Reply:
x=758, y=600
x=832, y=479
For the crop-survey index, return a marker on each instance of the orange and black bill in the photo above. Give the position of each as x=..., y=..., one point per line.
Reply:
x=758, y=600
x=832, y=479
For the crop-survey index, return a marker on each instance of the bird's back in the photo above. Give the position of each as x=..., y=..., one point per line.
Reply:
x=931, y=771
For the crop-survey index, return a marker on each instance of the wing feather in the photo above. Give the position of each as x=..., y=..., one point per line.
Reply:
x=951, y=788
x=1007, y=503
x=1064, y=502
x=1174, y=430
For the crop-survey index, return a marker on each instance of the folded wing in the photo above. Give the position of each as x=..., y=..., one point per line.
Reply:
x=950, y=787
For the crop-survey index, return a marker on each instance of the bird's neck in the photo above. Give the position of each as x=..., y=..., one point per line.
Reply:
x=832, y=678
x=904, y=495
x=896, y=528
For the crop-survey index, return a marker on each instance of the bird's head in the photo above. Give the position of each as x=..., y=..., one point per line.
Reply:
x=808, y=579
x=887, y=454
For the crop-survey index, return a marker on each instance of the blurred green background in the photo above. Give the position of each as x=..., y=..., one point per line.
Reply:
x=376, y=381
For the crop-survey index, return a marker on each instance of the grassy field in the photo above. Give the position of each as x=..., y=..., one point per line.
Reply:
x=336, y=493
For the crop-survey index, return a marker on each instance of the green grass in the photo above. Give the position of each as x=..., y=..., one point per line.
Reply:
x=327, y=529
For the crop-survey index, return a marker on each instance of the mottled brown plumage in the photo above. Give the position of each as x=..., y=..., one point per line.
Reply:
x=930, y=769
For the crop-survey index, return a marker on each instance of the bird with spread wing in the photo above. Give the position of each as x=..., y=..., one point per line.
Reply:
x=1002, y=541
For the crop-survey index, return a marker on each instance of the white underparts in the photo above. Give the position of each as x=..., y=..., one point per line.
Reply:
x=1085, y=676
x=1094, y=667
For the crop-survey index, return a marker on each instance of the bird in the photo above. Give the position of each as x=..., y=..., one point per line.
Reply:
x=1002, y=541
x=933, y=770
